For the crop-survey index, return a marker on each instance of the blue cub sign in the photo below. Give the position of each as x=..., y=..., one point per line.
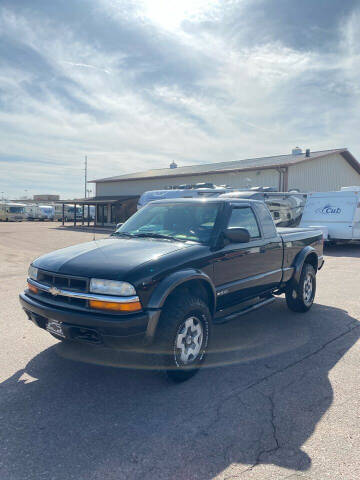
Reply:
x=329, y=210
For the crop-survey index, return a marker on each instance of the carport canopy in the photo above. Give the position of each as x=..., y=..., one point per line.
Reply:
x=103, y=202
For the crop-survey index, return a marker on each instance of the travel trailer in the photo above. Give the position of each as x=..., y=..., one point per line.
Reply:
x=69, y=211
x=47, y=212
x=33, y=212
x=12, y=212
x=286, y=208
x=337, y=212
x=182, y=191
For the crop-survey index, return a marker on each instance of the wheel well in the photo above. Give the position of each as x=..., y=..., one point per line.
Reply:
x=196, y=288
x=312, y=260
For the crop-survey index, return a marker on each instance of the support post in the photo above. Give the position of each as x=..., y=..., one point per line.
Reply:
x=103, y=214
x=63, y=214
x=83, y=214
x=88, y=215
x=74, y=214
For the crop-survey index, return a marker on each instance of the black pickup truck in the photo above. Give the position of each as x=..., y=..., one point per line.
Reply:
x=168, y=274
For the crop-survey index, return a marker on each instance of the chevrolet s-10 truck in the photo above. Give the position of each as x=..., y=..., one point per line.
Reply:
x=170, y=272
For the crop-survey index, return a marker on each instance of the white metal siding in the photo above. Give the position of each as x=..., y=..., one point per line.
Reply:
x=268, y=178
x=323, y=174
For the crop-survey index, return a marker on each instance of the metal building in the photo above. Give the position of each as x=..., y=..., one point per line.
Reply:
x=306, y=171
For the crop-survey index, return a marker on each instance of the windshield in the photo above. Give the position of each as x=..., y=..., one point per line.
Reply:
x=16, y=209
x=193, y=222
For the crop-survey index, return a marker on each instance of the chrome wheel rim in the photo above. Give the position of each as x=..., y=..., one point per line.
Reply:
x=188, y=341
x=308, y=289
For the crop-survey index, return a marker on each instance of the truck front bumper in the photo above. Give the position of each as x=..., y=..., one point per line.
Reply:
x=129, y=331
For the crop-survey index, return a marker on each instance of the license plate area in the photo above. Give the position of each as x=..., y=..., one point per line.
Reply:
x=55, y=327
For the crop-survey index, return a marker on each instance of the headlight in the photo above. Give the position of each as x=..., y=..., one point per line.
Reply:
x=111, y=287
x=33, y=272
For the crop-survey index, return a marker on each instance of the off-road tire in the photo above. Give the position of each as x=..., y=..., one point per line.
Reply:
x=180, y=311
x=300, y=298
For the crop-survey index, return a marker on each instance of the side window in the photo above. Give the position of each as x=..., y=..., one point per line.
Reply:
x=244, y=218
x=266, y=220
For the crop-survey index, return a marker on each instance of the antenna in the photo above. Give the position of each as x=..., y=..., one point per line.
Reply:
x=88, y=191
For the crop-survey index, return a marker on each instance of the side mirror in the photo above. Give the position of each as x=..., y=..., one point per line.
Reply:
x=118, y=225
x=237, y=235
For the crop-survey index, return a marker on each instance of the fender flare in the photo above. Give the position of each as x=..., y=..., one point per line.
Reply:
x=300, y=259
x=165, y=288
x=174, y=280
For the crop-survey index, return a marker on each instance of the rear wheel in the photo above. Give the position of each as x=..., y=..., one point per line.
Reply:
x=184, y=333
x=301, y=298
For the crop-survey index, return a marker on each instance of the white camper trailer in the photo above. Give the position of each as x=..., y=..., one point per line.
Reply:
x=47, y=212
x=69, y=213
x=187, y=191
x=32, y=212
x=337, y=213
x=286, y=208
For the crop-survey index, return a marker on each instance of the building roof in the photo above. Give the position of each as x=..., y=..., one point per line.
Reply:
x=97, y=200
x=233, y=166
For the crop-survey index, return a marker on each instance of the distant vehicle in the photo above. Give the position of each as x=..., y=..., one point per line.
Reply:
x=338, y=213
x=286, y=208
x=183, y=191
x=47, y=212
x=12, y=212
x=69, y=212
x=33, y=212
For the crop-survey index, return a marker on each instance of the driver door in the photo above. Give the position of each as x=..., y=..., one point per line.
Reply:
x=238, y=267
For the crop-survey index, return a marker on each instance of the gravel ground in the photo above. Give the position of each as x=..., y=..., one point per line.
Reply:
x=285, y=404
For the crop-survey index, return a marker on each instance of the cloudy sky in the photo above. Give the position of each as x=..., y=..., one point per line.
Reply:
x=136, y=84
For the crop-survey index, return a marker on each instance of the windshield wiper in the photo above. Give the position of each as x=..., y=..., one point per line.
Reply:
x=121, y=234
x=156, y=235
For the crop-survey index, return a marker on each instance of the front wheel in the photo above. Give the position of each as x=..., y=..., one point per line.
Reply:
x=301, y=298
x=184, y=333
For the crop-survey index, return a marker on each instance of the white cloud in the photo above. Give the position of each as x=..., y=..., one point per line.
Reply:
x=188, y=95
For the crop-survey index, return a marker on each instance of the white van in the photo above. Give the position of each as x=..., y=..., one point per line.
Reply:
x=337, y=213
x=152, y=195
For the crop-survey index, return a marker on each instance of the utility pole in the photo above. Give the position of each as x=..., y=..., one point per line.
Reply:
x=85, y=176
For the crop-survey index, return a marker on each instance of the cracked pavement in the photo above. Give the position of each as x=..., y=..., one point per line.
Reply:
x=279, y=399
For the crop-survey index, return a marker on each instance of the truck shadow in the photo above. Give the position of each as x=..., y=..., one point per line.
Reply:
x=343, y=250
x=63, y=419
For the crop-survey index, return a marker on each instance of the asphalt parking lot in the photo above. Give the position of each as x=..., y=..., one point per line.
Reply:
x=284, y=404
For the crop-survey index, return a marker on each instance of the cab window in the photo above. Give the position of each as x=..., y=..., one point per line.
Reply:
x=244, y=217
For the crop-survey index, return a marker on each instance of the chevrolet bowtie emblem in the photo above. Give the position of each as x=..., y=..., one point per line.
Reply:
x=54, y=291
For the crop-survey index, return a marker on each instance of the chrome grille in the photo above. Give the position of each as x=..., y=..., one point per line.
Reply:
x=78, y=284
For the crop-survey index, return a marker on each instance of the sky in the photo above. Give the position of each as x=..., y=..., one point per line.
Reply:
x=137, y=84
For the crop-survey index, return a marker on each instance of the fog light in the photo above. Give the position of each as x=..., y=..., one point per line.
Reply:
x=114, y=306
x=32, y=288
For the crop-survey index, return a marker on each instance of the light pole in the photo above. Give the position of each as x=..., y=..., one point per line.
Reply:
x=85, y=179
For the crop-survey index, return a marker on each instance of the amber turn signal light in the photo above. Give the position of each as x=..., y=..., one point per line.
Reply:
x=32, y=288
x=114, y=306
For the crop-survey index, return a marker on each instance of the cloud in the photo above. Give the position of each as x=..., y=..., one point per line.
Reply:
x=135, y=85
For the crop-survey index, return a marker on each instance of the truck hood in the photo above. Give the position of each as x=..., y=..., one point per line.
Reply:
x=111, y=258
